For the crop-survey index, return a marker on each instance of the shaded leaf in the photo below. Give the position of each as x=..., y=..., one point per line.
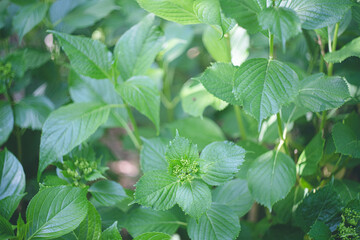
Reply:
x=234, y=194
x=6, y=121
x=218, y=223
x=6, y=230
x=310, y=157
x=152, y=154
x=31, y=112
x=319, y=231
x=107, y=193
x=271, y=177
x=321, y=205
x=28, y=17
x=346, y=136
x=143, y=95
x=142, y=220
x=190, y=128
x=111, y=233
x=253, y=151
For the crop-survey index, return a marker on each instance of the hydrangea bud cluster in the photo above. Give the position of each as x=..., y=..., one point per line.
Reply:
x=185, y=170
x=78, y=169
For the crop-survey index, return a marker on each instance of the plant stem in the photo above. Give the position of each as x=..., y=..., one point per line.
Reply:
x=129, y=131
x=330, y=71
x=271, y=46
x=134, y=125
x=167, y=81
x=331, y=65
x=16, y=128
x=281, y=133
x=280, y=129
x=240, y=122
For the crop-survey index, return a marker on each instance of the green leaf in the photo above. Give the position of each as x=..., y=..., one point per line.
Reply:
x=283, y=232
x=319, y=92
x=315, y=14
x=142, y=220
x=346, y=189
x=352, y=49
x=111, y=233
x=221, y=161
x=31, y=112
x=253, y=151
x=282, y=22
x=9, y=204
x=26, y=59
x=12, y=176
x=87, y=57
x=84, y=15
x=6, y=121
x=346, y=136
x=85, y=89
x=137, y=48
x=232, y=48
x=157, y=189
x=143, y=95
x=28, y=17
x=218, y=79
x=310, y=157
x=319, y=231
x=20, y=228
x=12, y=183
x=321, y=205
x=90, y=227
x=194, y=198
x=6, y=230
x=178, y=38
x=218, y=47
x=107, y=193
x=264, y=86
x=234, y=194
x=245, y=12
x=209, y=12
x=271, y=177
x=284, y=209
x=180, y=148
x=67, y=127
x=195, y=98
x=218, y=223
x=56, y=211
x=172, y=10
x=152, y=154
x=153, y=236
x=191, y=127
